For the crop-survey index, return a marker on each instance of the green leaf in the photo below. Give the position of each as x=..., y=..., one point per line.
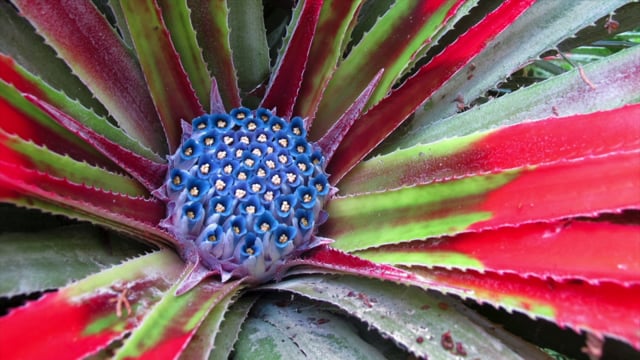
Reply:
x=390, y=44
x=41, y=159
x=299, y=330
x=166, y=79
x=248, y=39
x=88, y=315
x=106, y=66
x=415, y=319
x=583, y=187
x=211, y=23
x=542, y=27
x=21, y=42
x=53, y=258
x=171, y=324
x=230, y=327
x=335, y=18
x=562, y=95
x=176, y=17
x=26, y=82
x=203, y=341
x=532, y=143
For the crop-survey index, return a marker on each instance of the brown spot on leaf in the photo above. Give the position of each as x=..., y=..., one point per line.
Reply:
x=447, y=341
x=443, y=306
x=460, y=350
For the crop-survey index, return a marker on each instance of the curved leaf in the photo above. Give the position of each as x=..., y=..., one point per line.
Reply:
x=541, y=28
x=390, y=112
x=210, y=21
x=394, y=39
x=411, y=317
x=529, y=143
x=25, y=82
x=616, y=79
x=286, y=78
x=86, y=316
x=51, y=259
x=582, y=187
x=170, y=325
x=531, y=250
x=168, y=83
x=603, y=309
x=105, y=66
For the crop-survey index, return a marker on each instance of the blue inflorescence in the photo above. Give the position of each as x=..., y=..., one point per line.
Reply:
x=247, y=189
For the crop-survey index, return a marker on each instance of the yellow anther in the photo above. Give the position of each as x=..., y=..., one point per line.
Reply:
x=220, y=185
x=262, y=138
x=291, y=177
x=240, y=116
x=221, y=123
x=239, y=153
x=242, y=175
x=304, y=222
x=268, y=196
x=300, y=149
x=285, y=206
x=319, y=187
x=220, y=208
x=212, y=238
x=283, y=142
x=177, y=180
x=228, y=169
x=256, y=152
x=306, y=198
x=264, y=117
x=188, y=151
x=296, y=131
x=252, y=126
x=261, y=172
x=270, y=164
x=221, y=154
x=204, y=168
x=249, y=251
x=202, y=126
x=245, y=139
x=302, y=166
x=276, y=127
x=283, y=159
x=265, y=227
x=236, y=230
x=194, y=191
x=256, y=187
x=208, y=141
x=240, y=193
x=249, y=162
x=251, y=209
x=191, y=214
x=227, y=140
x=283, y=239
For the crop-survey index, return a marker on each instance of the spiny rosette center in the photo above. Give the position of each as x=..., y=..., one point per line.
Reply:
x=245, y=192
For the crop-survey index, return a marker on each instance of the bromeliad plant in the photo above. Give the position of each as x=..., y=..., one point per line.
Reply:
x=296, y=170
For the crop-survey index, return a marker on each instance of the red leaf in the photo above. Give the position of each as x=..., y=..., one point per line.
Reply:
x=149, y=173
x=604, y=309
x=529, y=143
x=83, y=318
x=88, y=44
x=589, y=251
x=287, y=78
x=391, y=111
x=168, y=83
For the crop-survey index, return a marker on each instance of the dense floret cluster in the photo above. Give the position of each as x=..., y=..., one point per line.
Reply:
x=248, y=190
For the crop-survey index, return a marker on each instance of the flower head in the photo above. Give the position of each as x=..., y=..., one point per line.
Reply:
x=242, y=189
